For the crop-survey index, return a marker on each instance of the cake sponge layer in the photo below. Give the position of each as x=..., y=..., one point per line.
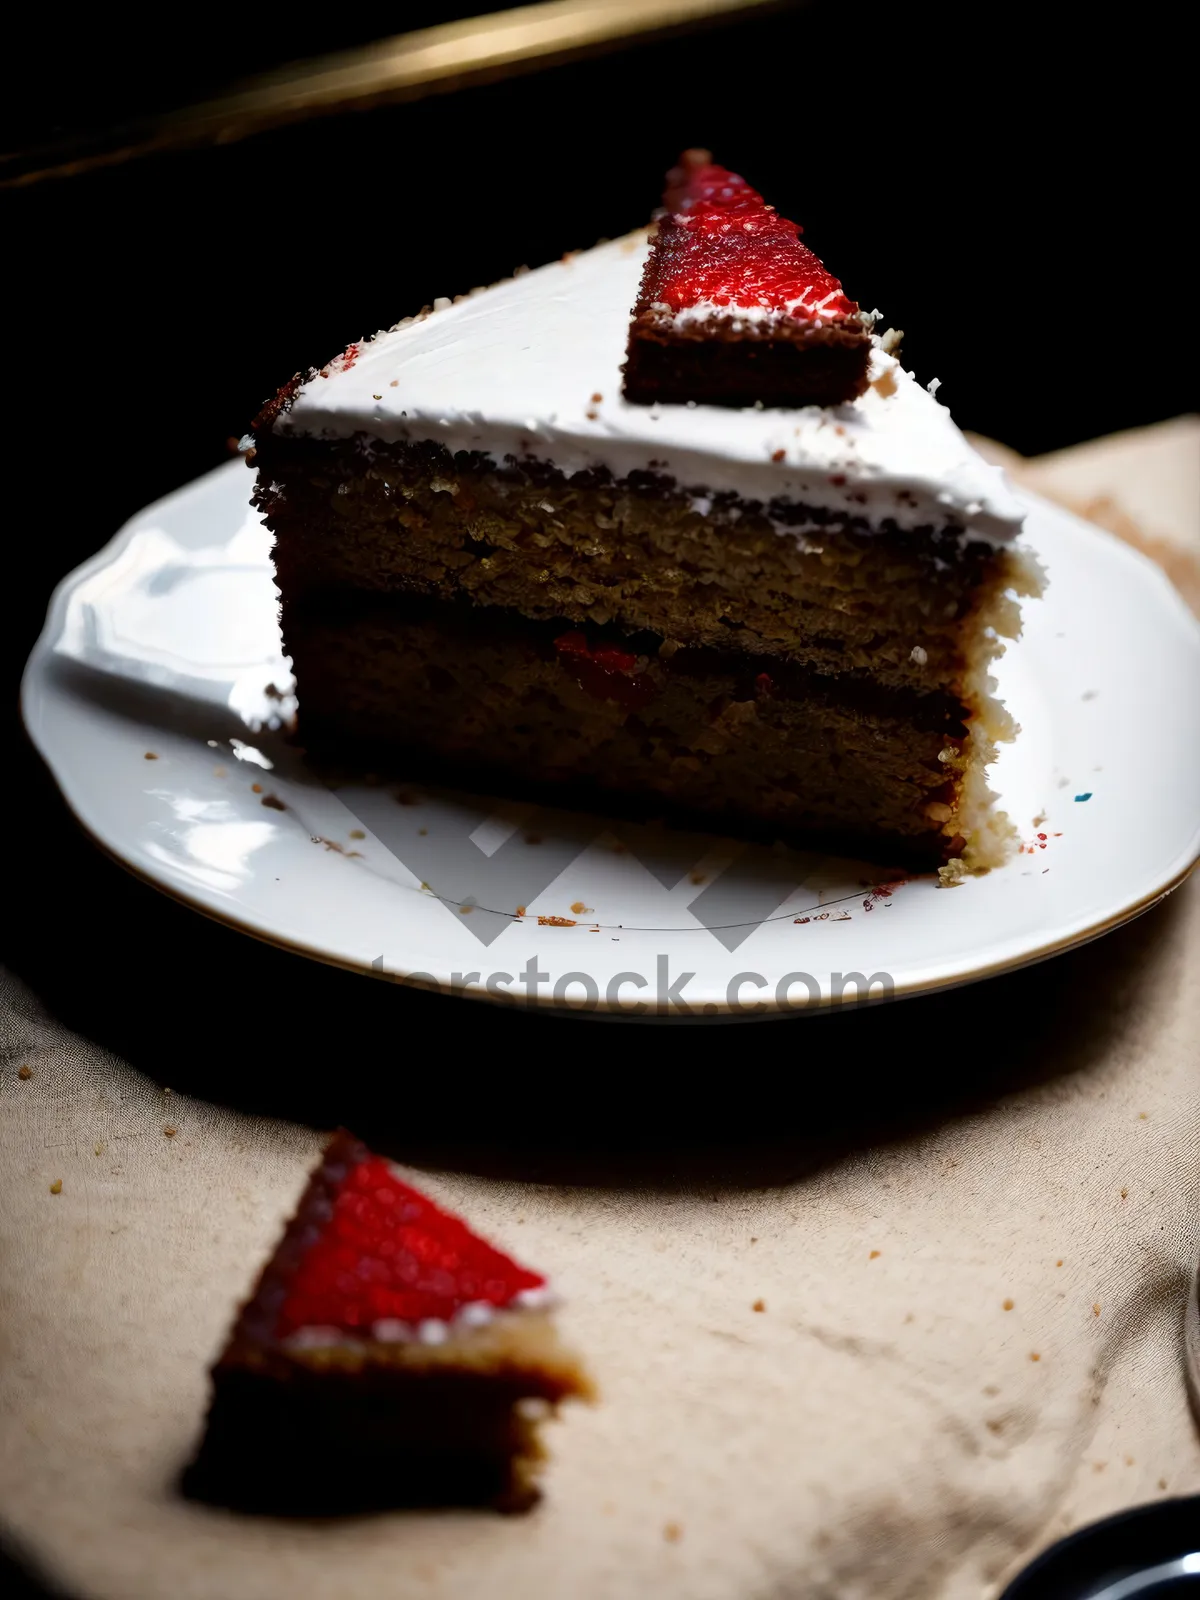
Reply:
x=743, y=742
x=353, y=1429
x=920, y=609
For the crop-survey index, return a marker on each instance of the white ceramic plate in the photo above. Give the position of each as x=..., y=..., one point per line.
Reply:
x=163, y=646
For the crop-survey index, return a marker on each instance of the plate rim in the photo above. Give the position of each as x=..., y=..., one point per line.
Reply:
x=768, y=1009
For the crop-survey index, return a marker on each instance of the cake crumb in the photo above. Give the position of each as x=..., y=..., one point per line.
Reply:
x=1034, y=1356
x=753, y=1238
x=1058, y=1263
x=1095, y=1308
x=256, y=788
x=149, y=756
x=1162, y=1483
x=357, y=833
x=24, y=1073
x=596, y=399
x=273, y=802
x=1008, y=1305
x=99, y=1149
x=885, y=384
x=874, y=1254
x=1124, y=1194
x=578, y=907
x=759, y=1305
x=698, y=877
x=556, y=922
x=778, y=455
x=170, y=1130
x=520, y=911
x=919, y=655
x=672, y=1532
x=56, y=1186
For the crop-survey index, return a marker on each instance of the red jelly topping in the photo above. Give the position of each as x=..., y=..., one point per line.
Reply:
x=388, y=1252
x=344, y=362
x=720, y=243
x=604, y=672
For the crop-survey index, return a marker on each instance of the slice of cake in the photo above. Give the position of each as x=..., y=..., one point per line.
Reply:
x=779, y=616
x=388, y=1356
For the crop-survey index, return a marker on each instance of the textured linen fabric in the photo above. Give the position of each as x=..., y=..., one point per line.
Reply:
x=969, y=1338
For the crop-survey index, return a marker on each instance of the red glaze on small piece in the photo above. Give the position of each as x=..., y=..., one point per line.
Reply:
x=390, y=1253
x=721, y=244
x=604, y=672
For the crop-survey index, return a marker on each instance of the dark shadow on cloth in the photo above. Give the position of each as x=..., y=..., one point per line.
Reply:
x=20, y=1577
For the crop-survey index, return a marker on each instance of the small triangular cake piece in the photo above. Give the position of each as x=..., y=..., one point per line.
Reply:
x=388, y=1356
x=734, y=310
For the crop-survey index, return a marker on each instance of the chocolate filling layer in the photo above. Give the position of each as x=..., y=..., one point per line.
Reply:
x=612, y=665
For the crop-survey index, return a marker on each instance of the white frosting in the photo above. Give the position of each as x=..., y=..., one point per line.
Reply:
x=511, y=371
x=431, y=1330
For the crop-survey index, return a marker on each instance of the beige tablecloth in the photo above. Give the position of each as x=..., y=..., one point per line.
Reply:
x=970, y=1339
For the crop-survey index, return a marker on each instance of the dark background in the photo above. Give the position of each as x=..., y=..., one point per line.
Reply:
x=1007, y=185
